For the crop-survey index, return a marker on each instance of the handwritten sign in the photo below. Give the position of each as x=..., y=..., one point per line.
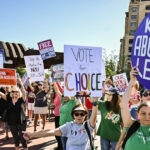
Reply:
x=35, y=68
x=120, y=82
x=2, y=58
x=7, y=77
x=82, y=70
x=46, y=49
x=141, y=52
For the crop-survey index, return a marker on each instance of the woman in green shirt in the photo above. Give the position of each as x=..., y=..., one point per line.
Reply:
x=140, y=139
x=111, y=121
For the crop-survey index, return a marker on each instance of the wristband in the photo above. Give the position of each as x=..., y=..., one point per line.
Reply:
x=95, y=103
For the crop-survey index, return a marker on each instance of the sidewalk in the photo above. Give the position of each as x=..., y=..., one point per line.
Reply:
x=46, y=143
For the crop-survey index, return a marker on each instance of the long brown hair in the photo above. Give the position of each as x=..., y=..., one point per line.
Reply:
x=114, y=104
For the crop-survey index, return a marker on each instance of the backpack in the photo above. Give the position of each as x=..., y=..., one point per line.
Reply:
x=131, y=130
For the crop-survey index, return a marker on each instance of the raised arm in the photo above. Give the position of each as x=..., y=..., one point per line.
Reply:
x=126, y=116
x=3, y=95
x=43, y=133
x=22, y=89
x=31, y=87
x=94, y=112
x=56, y=89
x=46, y=88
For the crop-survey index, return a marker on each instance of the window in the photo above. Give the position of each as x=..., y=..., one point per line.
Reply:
x=129, y=57
x=130, y=49
x=147, y=7
x=133, y=16
x=130, y=41
x=133, y=24
x=132, y=32
x=134, y=9
x=146, y=14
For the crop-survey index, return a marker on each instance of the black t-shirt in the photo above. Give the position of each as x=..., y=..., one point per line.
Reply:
x=15, y=111
x=40, y=100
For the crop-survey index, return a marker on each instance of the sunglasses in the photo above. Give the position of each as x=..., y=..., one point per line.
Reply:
x=14, y=91
x=146, y=94
x=81, y=114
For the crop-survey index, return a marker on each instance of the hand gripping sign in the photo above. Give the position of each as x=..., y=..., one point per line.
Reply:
x=141, y=52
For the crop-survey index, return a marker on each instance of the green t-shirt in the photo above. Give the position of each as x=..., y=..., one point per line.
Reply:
x=140, y=140
x=110, y=125
x=65, y=111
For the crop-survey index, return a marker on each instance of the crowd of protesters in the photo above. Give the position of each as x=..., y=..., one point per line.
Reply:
x=125, y=120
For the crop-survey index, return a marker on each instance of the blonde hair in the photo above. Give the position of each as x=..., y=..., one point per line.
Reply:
x=15, y=88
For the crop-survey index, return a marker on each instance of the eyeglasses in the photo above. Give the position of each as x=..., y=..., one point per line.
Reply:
x=14, y=91
x=146, y=94
x=81, y=114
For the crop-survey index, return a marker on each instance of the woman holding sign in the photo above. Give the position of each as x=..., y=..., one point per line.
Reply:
x=16, y=115
x=75, y=131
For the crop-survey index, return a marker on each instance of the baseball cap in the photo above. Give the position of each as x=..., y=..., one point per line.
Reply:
x=40, y=83
x=113, y=91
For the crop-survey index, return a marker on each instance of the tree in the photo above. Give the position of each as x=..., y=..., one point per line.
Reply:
x=21, y=71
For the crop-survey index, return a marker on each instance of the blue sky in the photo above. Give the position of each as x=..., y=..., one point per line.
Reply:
x=74, y=22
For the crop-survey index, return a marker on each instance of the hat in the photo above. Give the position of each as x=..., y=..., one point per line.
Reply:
x=145, y=90
x=113, y=91
x=40, y=83
x=79, y=109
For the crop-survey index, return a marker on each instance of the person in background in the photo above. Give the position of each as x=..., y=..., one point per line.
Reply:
x=75, y=130
x=111, y=121
x=16, y=114
x=30, y=99
x=139, y=139
x=40, y=105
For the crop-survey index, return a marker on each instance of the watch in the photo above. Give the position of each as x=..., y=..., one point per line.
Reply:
x=95, y=103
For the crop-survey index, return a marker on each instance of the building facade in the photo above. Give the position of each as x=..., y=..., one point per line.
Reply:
x=137, y=10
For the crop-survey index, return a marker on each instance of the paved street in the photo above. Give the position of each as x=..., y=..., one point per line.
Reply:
x=46, y=143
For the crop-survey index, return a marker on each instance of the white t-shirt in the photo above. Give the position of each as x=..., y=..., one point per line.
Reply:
x=77, y=136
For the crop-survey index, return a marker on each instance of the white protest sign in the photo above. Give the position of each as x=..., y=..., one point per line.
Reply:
x=103, y=72
x=46, y=49
x=2, y=58
x=82, y=70
x=35, y=68
x=120, y=82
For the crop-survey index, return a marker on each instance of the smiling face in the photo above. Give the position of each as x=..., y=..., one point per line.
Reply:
x=144, y=115
x=15, y=93
x=79, y=116
x=109, y=97
x=40, y=87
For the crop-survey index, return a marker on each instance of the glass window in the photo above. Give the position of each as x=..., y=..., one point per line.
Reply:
x=133, y=16
x=132, y=32
x=130, y=49
x=147, y=7
x=133, y=24
x=134, y=9
x=130, y=41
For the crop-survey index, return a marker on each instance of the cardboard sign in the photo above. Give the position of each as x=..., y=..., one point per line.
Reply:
x=141, y=52
x=82, y=70
x=120, y=82
x=8, y=77
x=2, y=58
x=46, y=49
x=58, y=72
x=35, y=68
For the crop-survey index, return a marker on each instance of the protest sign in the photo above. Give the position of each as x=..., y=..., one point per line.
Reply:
x=25, y=79
x=2, y=58
x=120, y=82
x=141, y=52
x=46, y=49
x=35, y=68
x=58, y=72
x=8, y=77
x=103, y=72
x=82, y=70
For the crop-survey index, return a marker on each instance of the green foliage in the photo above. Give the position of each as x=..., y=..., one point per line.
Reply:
x=21, y=71
x=47, y=75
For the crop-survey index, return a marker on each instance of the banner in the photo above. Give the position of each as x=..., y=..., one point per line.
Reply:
x=2, y=58
x=58, y=72
x=46, y=49
x=8, y=77
x=82, y=70
x=35, y=68
x=120, y=82
x=141, y=52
